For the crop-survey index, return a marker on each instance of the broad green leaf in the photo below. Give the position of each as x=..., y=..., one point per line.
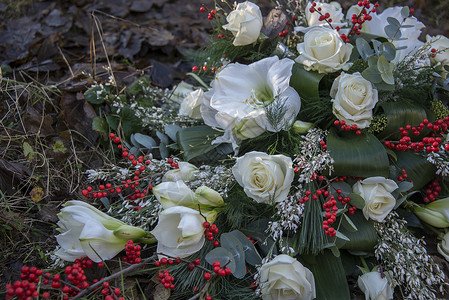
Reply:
x=305, y=82
x=233, y=245
x=357, y=200
x=345, y=188
x=404, y=186
x=163, y=150
x=113, y=121
x=393, y=32
x=163, y=137
x=372, y=61
x=251, y=255
x=405, y=12
x=145, y=140
x=196, y=140
x=58, y=146
x=223, y=256
x=357, y=155
x=130, y=123
x=330, y=277
x=264, y=243
x=171, y=130
x=348, y=224
x=364, y=48
x=372, y=74
x=28, y=151
x=100, y=125
x=95, y=95
x=398, y=115
x=365, y=238
x=386, y=69
x=418, y=169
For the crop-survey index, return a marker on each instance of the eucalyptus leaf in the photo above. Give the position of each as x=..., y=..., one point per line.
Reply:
x=393, y=32
x=105, y=202
x=305, y=82
x=388, y=50
x=394, y=22
x=376, y=46
x=364, y=48
x=145, y=141
x=405, y=12
x=197, y=140
x=404, y=186
x=357, y=200
x=164, y=138
x=386, y=70
x=233, y=245
x=401, y=48
x=251, y=255
x=372, y=74
x=372, y=61
x=222, y=255
x=163, y=150
x=171, y=130
x=133, y=141
x=357, y=155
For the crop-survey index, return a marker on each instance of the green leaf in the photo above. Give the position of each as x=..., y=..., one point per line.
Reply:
x=306, y=83
x=100, y=125
x=28, y=151
x=386, y=70
x=357, y=155
x=401, y=200
x=163, y=137
x=94, y=95
x=330, y=278
x=251, y=255
x=372, y=74
x=196, y=140
x=233, y=245
x=223, y=256
x=394, y=22
x=58, y=146
x=404, y=186
x=365, y=238
x=388, y=50
x=145, y=140
x=265, y=244
x=130, y=123
x=348, y=224
x=357, y=200
x=113, y=121
x=345, y=188
x=405, y=12
x=364, y=48
x=341, y=236
x=400, y=114
x=171, y=130
x=372, y=61
x=418, y=169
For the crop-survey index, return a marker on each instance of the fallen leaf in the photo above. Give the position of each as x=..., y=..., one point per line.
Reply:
x=36, y=194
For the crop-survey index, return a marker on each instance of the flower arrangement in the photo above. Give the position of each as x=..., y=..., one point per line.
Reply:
x=311, y=154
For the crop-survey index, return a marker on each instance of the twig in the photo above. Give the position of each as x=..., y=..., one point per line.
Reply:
x=115, y=275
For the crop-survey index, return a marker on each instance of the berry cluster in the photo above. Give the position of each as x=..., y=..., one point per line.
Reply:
x=108, y=292
x=331, y=212
x=210, y=231
x=220, y=271
x=433, y=189
x=308, y=195
x=403, y=175
x=26, y=287
x=322, y=17
x=343, y=126
x=132, y=253
x=429, y=143
x=166, y=279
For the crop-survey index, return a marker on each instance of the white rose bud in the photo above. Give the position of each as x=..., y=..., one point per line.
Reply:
x=375, y=287
x=208, y=196
x=191, y=104
x=376, y=191
x=129, y=232
x=245, y=23
x=301, y=127
x=86, y=231
x=353, y=99
x=185, y=172
x=285, y=278
x=177, y=193
x=324, y=51
x=435, y=213
x=179, y=232
x=264, y=178
x=443, y=246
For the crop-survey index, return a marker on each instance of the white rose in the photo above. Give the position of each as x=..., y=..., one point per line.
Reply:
x=177, y=193
x=185, y=172
x=441, y=44
x=353, y=99
x=190, y=106
x=443, y=246
x=334, y=9
x=179, y=232
x=376, y=191
x=264, y=178
x=240, y=96
x=245, y=23
x=286, y=278
x=86, y=231
x=375, y=287
x=324, y=51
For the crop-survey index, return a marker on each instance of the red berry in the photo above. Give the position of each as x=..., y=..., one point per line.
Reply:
x=207, y=276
